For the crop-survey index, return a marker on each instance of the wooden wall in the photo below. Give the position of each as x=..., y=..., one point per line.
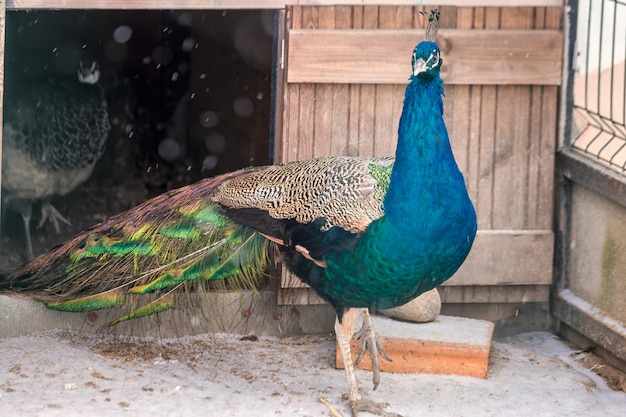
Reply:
x=346, y=69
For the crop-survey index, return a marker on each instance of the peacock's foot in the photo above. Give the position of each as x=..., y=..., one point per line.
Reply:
x=48, y=212
x=369, y=406
x=369, y=341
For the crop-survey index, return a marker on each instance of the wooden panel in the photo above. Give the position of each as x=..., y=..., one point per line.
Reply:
x=238, y=4
x=508, y=257
x=504, y=140
x=494, y=294
x=382, y=57
x=503, y=137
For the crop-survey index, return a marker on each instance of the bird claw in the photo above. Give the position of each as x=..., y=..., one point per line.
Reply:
x=369, y=341
x=49, y=212
x=372, y=407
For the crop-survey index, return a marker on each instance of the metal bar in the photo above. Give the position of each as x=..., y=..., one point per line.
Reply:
x=613, y=61
x=587, y=59
x=598, y=103
x=587, y=172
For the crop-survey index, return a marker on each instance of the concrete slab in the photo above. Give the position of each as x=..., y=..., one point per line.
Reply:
x=449, y=345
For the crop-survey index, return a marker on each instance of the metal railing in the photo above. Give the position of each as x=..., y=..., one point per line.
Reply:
x=599, y=83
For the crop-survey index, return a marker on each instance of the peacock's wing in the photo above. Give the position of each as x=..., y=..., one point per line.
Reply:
x=316, y=204
x=205, y=232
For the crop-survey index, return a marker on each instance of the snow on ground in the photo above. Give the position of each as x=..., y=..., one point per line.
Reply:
x=62, y=373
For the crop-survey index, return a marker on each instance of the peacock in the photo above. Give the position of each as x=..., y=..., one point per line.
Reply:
x=364, y=233
x=55, y=130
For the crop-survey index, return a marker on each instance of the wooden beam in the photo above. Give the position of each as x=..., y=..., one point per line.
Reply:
x=525, y=57
x=508, y=257
x=256, y=4
x=587, y=171
x=591, y=322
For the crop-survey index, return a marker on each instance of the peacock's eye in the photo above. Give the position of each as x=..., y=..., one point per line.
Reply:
x=435, y=58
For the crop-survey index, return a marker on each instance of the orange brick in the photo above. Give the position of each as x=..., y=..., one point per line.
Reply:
x=449, y=345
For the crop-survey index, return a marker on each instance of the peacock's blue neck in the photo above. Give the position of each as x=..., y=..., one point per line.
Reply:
x=424, y=161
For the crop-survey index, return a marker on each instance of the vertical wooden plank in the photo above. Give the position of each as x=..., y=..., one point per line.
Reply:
x=457, y=105
x=404, y=17
x=483, y=111
x=326, y=17
x=534, y=191
x=306, y=110
x=517, y=17
x=343, y=17
x=511, y=169
x=309, y=17
x=448, y=17
x=367, y=96
x=510, y=188
x=340, y=120
x=419, y=14
x=294, y=17
x=384, y=139
x=290, y=126
x=357, y=17
x=323, y=98
x=554, y=18
x=549, y=110
x=479, y=15
x=289, y=150
x=341, y=94
x=484, y=99
x=370, y=17
x=468, y=18
x=533, y=159
x=464, y=17
x=540, y=18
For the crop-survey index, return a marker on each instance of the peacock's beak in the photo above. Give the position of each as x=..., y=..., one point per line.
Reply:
x=420, y=66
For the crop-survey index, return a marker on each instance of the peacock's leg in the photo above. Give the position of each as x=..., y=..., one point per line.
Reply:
x=49, y=212
x=344, y=331
x=369, y=341
x=26, y=212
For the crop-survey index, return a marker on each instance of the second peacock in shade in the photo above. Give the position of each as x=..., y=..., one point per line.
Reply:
x=365, y=233
x=55, y=130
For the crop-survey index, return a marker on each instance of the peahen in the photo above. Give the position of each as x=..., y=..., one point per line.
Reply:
x=365, y=233
x=55, y=130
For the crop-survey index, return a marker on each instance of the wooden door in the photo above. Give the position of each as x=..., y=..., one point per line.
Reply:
x=346, y=70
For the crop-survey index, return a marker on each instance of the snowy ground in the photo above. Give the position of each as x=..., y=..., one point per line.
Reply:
x=69, y=374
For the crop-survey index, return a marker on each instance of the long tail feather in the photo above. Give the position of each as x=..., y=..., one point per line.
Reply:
x=177, y=240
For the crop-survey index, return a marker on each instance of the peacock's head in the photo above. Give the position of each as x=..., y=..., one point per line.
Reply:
x=426, y=59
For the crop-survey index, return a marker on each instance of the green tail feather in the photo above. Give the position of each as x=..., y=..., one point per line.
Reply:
x=116, y=264
x=109, y=299
x=157, y=306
